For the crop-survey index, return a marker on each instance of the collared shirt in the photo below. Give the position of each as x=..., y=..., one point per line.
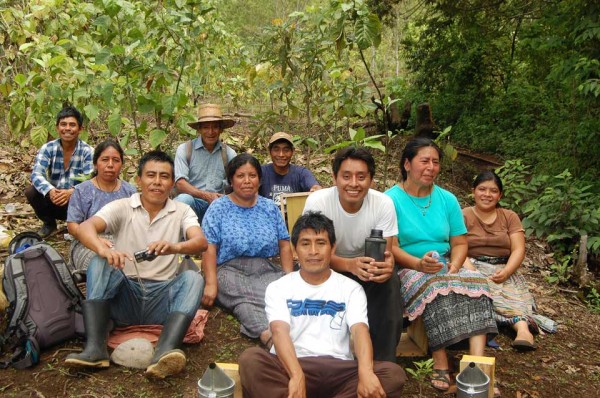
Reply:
x=205, y=170
x=49, y=167
x=129, y=223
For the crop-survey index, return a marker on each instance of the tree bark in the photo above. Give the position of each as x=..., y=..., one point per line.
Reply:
x=580, y=271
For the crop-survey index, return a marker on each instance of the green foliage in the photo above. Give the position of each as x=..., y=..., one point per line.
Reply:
x=112, y=58
x=561, y=271
x=560, y=208
x=299, y=67
x=513, y=78
x=423, y=369
x=358, y=138
x=519, y=185
x=563, y=212
x=593, y=300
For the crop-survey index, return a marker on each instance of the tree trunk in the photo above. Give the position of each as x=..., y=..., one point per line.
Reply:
x=425, y=125
x=582, y=277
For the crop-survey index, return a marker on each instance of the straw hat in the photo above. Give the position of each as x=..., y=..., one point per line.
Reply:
x=211, y=113
x=281, y=136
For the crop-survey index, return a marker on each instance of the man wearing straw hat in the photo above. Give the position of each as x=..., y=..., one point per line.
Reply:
x=200, y=163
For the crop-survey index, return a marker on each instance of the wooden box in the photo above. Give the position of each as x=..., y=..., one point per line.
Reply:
x=486, y=364
x=232, y=370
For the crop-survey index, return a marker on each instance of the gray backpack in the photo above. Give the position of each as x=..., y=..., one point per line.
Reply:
x=45, y=303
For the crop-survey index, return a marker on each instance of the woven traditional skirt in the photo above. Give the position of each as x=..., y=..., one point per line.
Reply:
x=242, y=284
x=456, y=317
x=512, y=300
x=454, y=306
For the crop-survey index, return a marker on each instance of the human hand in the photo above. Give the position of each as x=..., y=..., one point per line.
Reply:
x=381, y=271
x=209, y=295
x=114, y=258
x=60, y=197
x=369, y=386
x=500, y=276
x=452, y=269
x=211, y=196
x=430, y=265
x=360, y=267
x=162, y=247
x=107, y=242
x=297, y=387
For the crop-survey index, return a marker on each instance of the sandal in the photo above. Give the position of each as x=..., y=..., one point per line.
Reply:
x=442, y=375
x=267, y=344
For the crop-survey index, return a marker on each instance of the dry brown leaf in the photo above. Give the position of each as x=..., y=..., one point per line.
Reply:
x=571, y=370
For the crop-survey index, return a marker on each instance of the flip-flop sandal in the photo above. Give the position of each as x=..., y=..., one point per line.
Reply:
x=442, y=375
x=268, y=344
x=523, y=346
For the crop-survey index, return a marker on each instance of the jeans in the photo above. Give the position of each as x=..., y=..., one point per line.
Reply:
x=146, y=303
x=198, y=205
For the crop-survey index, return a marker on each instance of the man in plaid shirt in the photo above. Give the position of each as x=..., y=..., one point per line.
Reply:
x=57, y=165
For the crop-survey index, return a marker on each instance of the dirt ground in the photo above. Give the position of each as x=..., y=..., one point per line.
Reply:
x=566, y=364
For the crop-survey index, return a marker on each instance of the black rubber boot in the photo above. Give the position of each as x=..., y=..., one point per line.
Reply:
x=167, y=359
x=96, y=317
x=47, y=229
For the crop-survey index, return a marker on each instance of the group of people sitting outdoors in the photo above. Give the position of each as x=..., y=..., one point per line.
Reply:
x=455, y=269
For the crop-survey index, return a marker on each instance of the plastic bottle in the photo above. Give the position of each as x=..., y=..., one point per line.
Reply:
x=375, y=245
x=436, y=256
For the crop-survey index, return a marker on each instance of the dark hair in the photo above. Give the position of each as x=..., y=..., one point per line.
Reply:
x=313, y=220
x=351, y=152
x=279, y=141
x=412, y=148
x=488, y=175
x=239, y=161
x=69, y=111
x=156, y=156
x=101, y=147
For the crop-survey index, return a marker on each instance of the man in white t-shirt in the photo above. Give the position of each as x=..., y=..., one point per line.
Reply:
x=355, y=210
x=312, y=313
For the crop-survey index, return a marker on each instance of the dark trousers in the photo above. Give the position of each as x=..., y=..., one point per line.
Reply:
x=384, y=307
x=44, y=209
x=262, y=375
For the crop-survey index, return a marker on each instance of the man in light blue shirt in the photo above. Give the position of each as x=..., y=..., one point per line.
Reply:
x=200, y=163
x=58, y=167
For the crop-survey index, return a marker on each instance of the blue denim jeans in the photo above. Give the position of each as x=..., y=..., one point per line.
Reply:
x=143, y=303
x=198, y=205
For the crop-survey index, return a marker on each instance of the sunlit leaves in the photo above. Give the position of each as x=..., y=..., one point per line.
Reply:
x=39, y=135
x=157, y=137
x=367, y=31
x=112, y=58
x=91, y=111
x=114, y=123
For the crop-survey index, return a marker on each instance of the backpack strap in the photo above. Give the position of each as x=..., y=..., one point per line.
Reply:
x=188, y=152
x=224, y=155
x=20, y=291
x=24, y=356
x=63, y=274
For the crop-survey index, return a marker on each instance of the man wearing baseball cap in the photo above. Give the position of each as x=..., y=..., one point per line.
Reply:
x=282, y=177
x=200, y=163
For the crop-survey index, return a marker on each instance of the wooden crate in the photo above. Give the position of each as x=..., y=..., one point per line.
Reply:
x=486, y=364
x=413, y=342
x=232, y=370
